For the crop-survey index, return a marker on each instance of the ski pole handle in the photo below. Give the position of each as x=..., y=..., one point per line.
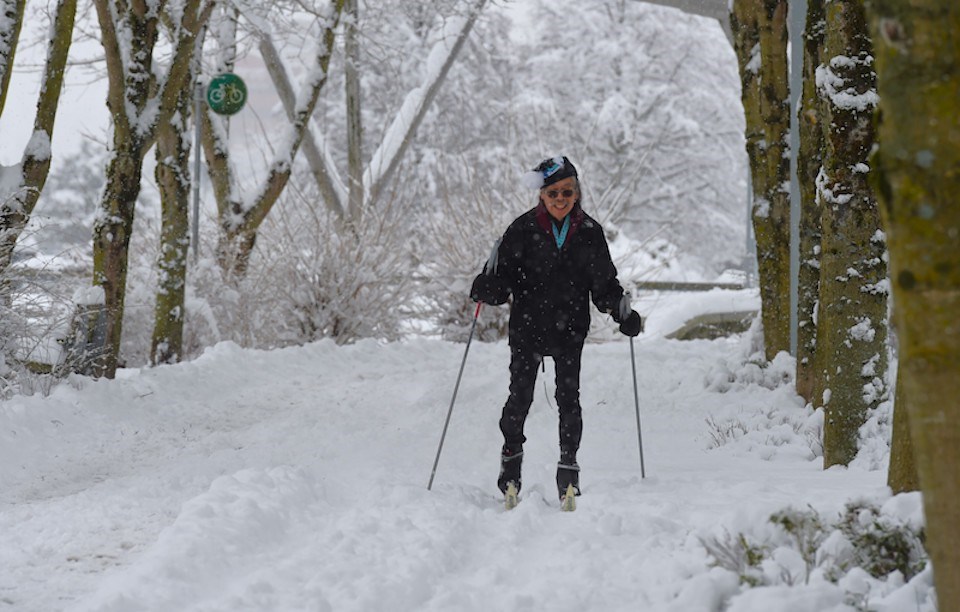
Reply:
x=625, y=308
x=490, y=267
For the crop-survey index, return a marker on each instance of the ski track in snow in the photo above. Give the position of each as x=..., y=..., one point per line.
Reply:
x=296, y=480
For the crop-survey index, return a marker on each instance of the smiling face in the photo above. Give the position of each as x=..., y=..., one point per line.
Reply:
x=560, y=197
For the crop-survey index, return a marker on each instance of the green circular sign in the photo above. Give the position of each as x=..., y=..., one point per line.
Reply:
x=226, y=94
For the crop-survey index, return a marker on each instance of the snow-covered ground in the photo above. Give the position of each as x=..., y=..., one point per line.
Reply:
x=296, y=479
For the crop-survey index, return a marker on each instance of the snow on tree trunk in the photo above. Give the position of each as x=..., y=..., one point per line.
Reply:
x=16, y=207
x=760, y=41
x=173, y=179
x=11, y=19
x=918, y=65
x=140, y=97
x=316, y=153
x=809, y=160
x=851, y=356
x=239, y=219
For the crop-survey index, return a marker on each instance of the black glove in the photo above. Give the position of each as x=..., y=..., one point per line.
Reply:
x=485, y=289
x=632, y=325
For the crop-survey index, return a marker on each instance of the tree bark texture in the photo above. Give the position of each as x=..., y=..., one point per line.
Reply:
x=132, y=86
x=851, y=357
x=16, y=209
x=355, y=188
x=173, y=179
x=918, y=63
x=760, y=37
x=809, y=161
x=11, y=20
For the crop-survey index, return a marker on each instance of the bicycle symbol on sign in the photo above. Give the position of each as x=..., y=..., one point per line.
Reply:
x=226, y=94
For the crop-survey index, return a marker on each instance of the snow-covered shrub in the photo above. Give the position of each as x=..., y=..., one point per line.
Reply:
x=806, y=529
x=868, y=551
x=881, y=544
x=737, y=554
x=34, y=314
x=338, y=280
x=456, y=235
x=765, y=429
x=748, y=365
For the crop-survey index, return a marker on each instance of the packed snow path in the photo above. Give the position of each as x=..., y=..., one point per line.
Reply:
x=296, y=480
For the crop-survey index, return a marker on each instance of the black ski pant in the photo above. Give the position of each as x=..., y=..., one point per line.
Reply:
x=523, y=377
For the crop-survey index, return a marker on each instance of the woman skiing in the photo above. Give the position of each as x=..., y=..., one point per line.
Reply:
x=552, y=260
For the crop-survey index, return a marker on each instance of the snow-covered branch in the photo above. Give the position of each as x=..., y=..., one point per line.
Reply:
x=314, y=148
x=398, y=136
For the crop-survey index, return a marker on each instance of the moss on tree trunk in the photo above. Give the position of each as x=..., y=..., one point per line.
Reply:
x=809, y=160
x=173, y=179
x=760, y=41
x=851, y=355
x=918, y=61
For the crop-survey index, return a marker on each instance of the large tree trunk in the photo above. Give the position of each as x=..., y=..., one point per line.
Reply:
x=128, y=92
x=111, y=245
x=852, y=318
x=173, y=179
x=16, y=208
x=809, y=160
x=138, y=103
x=760, y=41
x=918, y=61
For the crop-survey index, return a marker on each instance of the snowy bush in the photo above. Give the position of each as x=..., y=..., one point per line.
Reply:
x=737, y=554
x=786, y=426
x=34, y=314
x=344, y=282
x=868, y=551
x=880, y=543
x=455, y=238
x=748, y=366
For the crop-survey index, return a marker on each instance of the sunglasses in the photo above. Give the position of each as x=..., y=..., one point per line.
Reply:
x=553, y=194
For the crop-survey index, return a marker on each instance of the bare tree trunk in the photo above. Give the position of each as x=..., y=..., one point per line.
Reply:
x=809, y=160
x=852, y=318
x=384, y=161
x=240, y=221
x=173, y=179
x=11, y=20
x=760, y=41
x=313, y=150
x=354, y=120
x=132, y=96
x=918, y=63
x=16, y=208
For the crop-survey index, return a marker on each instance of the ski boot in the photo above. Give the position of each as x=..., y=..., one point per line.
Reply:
x=510, y=460
x=568, y=478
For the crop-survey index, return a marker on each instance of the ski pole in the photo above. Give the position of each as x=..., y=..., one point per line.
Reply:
x=636, y=401
x=625, y=311
x=489, y=268
x=456, y=388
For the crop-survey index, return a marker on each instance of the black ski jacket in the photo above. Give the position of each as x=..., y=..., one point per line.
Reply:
x=551, y=288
